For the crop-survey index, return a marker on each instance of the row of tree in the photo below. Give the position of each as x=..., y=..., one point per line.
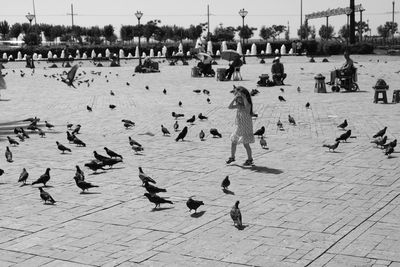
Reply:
x=153, y=29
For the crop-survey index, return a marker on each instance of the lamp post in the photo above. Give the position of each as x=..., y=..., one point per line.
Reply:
x=348, y=13
x=139, y=15
x=30, y=17
x=360, y=27
x=243, y=13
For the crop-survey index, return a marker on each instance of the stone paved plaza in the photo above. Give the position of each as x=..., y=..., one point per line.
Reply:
x=301, y=205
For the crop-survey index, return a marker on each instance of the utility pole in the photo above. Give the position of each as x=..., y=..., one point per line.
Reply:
x=301, y=19
x=352, y=23
x=72, y=14
x=208, y=23
x=393, y=20
x=34, y=10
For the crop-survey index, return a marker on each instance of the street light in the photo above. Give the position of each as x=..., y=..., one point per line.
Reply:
x=360, y=27
x=139, y=15
x=348, y=13
x=243, y=13
x=30, y=17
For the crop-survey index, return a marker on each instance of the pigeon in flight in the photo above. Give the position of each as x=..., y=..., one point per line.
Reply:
x=70, y=76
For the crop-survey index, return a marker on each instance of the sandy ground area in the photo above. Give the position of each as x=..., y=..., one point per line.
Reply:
x=301, y=205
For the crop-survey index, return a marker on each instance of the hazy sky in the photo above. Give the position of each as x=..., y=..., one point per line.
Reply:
x=186, y=12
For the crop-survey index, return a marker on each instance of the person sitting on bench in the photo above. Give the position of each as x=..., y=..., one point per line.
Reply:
x=149, y=65
x=347, y=68
x=236, y=63
x=205, y=67
x=278, y=72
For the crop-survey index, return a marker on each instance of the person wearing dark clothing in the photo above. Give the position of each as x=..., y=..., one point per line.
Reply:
x=237, y=62
x=278, y=72
x=347, y=68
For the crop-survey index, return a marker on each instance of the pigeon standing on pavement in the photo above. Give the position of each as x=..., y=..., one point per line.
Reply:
x=260, y=132
x=182, y=134
x=62, y=148
x=23, y=176
x=332, y=147
x=44, y=178
x=192, y=119
x=153, y=189
x=176, y=126
x=281, y=98
x=344, y=137
x=263, y=143
x=83, y=184
x=12, y=141
x=157, y=200
x=46, y=196
x=193, y=204
x=343, y=125
x=215, y=132
x=226, y=182
x=202, y=135
x=145, y=178
x=112, y=154
x=164, y=130
x=236, y=215
x=8, y=154
x=291, y=120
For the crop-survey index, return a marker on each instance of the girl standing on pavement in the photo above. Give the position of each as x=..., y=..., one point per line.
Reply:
x=244, y=124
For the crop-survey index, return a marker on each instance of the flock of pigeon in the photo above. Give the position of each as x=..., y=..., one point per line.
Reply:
x=100, y=162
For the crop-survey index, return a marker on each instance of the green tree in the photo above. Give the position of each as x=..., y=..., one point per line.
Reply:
x=246, y=32
x=150, y=28
x=108, y=31
x=25, y=27
x=46, y=29
x=387, y=29
x=223, y=34
x=266, y=32
x=126, y=32
x=195, y=32
x=15, y=30
x=344, y=32
x=32, y=38
x=271, y=32
x=4, y=28
x=326, y=32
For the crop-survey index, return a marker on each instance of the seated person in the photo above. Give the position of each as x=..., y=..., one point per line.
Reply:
x=237, y=62
x=149, y=65
x=347, y=68
x=205, y=67
x=278, y=72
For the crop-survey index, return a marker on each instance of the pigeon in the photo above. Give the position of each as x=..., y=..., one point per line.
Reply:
x=127, y=83
x=164, y=130
x=236, y=215
x=389, y=151
x=176, y=126
x=153, y=189
x=263, y=143
x=332, y=147
x=177, y=115
x=77, y=129
x=133, y=142
x=22, y=131
x=206, y=92
x=260, y=132
x=111, y=106
x=44, y=178
x=380, y=133
x=112, y=154
x=215, y=132
x=23, y=176
x=145, y=178
x=180, y=103
x=128, y=122
x=70, y=137
x=226, y=182
x=343, y=125
x=89, y=108
x=291, y=120
x=308, y=105
x=95, y=165
x=78, y=142
x=298, y=89
x=1, y=172
x=279, y=124
x=128, y=125
x=281, y=98
x=137, y=149
x=70, y=76
x=112, y=93
x=83, y=185
x=380, y=141
x=197, y=91
x=182, y=134
x=208, y=100
x=21, y=137
x=48, y=125
x=111, y=161
x=192, y=119
x=202, y=117
x=12, y=141
x=46, y=196
x=99, y=157
x=8, y=155
x=62, y=148
x=157, y=200
x=193, y=204
x=282, y=90
x=202, y=135
x=147, y=87
x=344, y=137
x=390, y=144
x=165, y=91
x=41, y=133
x=79, y=173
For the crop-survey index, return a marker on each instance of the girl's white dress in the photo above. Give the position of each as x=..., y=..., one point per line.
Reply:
x=244, y=126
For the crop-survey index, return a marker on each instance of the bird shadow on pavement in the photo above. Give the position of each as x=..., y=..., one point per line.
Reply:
x=242, y=227
x=89, y=193
x=228, y=192
x=5, y=99
x=116, y=168
x=161, y=209
x=333, y=151
x=262, y=169
x=97, y=173
x=50, y=204
x=197, y=214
